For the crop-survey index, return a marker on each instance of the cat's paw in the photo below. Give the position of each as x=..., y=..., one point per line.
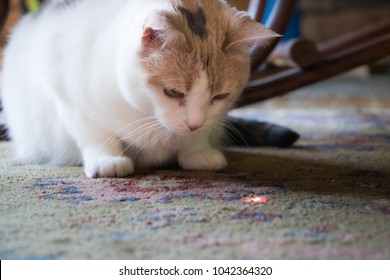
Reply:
x=109, y=167
x=206, y=160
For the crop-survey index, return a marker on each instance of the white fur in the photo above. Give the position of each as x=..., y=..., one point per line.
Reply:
x=74, y=93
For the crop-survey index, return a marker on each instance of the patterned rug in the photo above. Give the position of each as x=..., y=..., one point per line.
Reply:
x=328, y=197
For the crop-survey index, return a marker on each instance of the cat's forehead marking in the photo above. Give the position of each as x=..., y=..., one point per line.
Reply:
x=196, y=20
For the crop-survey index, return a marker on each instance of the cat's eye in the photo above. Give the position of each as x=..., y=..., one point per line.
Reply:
x=173, y=93
x=219, y=97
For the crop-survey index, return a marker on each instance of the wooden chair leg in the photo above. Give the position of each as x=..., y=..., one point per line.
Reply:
x=295, y=52
x=354, y=38
x=4, y=8
x=278, y=21
x=256, y=9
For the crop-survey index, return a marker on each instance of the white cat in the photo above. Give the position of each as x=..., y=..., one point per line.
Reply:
x=118, y=84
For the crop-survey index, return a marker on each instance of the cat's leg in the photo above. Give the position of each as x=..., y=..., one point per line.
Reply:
x=200, y=155
x=102, y=151
x=98, y=164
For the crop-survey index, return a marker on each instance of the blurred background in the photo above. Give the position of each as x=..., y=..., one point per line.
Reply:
x=319, y=20
x=324, y=19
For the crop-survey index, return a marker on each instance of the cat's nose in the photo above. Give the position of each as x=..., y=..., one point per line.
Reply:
x=194, y=127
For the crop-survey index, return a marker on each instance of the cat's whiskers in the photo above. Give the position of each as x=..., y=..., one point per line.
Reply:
x=115, y=140
x=168, y=134
x=164, y=132
x=220, y=132
x=148, y=144
x=149, y=130
x=225, y=125
x=140, y=133
x=115, y=137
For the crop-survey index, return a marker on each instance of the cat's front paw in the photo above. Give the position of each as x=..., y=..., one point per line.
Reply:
x=206, y=160
x=109, y=167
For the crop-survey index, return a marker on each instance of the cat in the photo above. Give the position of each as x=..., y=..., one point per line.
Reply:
x=120, y=84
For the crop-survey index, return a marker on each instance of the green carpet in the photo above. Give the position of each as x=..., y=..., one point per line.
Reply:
x=328, y=197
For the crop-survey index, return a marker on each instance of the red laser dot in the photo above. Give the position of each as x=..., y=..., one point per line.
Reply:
x=257, y=199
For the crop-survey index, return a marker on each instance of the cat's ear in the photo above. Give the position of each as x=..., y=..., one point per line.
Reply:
x=158, y=34
x=246, y=32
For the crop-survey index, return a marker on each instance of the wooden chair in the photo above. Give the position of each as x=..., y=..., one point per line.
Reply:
x=311, y=62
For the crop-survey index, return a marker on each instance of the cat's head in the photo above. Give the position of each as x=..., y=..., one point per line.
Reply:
x=196, y=56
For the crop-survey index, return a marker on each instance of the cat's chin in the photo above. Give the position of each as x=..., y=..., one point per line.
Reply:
x=187, y=133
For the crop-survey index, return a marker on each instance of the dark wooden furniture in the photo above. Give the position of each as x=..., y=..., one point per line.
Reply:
x=4, y=8
x=313, y=62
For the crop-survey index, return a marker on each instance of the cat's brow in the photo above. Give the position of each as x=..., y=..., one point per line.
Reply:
x=197, y=21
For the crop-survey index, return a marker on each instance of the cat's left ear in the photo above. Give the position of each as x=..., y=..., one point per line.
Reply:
x=158, y=34
x=244, y=31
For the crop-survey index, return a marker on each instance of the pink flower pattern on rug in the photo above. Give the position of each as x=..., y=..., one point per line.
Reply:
x=158, y=188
